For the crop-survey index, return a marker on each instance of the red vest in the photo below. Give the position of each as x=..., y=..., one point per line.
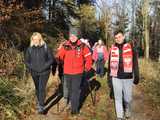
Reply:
x=127, y=59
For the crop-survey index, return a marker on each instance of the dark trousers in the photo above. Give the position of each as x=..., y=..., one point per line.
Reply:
x=40, y=82
x=100, y=67
x=72, y=85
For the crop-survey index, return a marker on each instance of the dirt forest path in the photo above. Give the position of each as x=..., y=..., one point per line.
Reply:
x=103, y=110
x=142, y=108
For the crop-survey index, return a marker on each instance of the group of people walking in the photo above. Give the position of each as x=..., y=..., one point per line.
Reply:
x=77, y=57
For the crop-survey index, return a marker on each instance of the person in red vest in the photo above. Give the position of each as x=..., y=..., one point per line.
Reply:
x=123, y=72
x=77, y=59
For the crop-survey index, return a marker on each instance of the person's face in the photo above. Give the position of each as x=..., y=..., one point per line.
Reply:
x=119, y=38
x=36, y=40
x=73, y=38
x=100, y=42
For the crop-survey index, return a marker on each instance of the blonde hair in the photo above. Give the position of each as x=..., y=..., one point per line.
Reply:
x=40, y=39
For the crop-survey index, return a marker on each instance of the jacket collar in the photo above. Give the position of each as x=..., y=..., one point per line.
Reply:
x=38, y=46
x=70, y=44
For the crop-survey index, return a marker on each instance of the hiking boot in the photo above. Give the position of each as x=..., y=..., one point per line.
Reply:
x=128, y=113
x=128, y=110
x=75, y=113
x=76, y=116
x=40, y=110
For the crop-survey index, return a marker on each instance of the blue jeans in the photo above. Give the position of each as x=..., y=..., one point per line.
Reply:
x=122, y=94
x=100, y=67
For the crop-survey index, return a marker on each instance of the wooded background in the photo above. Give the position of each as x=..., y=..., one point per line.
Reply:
x=95, y=19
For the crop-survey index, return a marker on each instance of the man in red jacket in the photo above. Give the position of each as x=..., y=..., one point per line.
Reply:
x=76, y=58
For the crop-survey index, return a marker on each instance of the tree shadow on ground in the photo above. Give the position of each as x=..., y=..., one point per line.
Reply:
x=89, y=86
x=54, y=99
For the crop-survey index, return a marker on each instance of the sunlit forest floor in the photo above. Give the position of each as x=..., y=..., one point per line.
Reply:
x=17, y=100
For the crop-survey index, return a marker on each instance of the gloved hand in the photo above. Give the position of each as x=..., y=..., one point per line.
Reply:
x=136, y=80
x=110, y=82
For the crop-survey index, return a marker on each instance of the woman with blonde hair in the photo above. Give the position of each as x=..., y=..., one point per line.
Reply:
x=38, y=60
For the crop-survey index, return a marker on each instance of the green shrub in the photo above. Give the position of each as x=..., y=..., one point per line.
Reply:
x=9, y=101
x=15, y=99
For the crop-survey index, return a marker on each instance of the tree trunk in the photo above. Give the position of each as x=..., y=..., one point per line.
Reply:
x=146, y=27
x=50, y=11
